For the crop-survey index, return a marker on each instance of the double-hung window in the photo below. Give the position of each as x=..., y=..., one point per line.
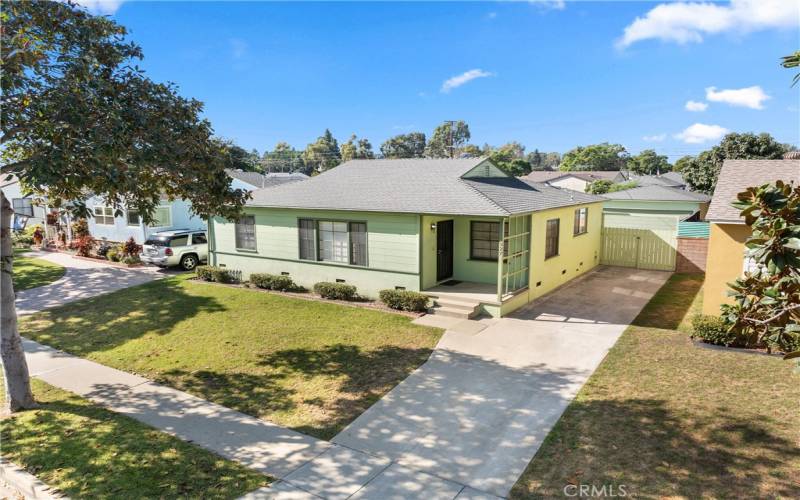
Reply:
x=162, y=217
x=104, y=216
x=333, y=241
x=581, y=221
x=551, y=238
x=246, y=233
x=23, y=206
x=134, y=219
x=485, y=240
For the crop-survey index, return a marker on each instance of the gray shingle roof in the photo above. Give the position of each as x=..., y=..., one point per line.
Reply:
x=259, y=180
x=428, y=186
x=657, y=193
x=656, y=180
x=737, y=175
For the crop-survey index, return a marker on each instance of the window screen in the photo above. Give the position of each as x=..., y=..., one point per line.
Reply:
x=308, y=239
x=333, y=241
x=358, y=243
x=246, y=233
x=551, y=238
x=581, y=221
x=23, y=206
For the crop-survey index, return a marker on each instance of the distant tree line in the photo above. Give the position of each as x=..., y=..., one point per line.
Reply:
x=451, y=139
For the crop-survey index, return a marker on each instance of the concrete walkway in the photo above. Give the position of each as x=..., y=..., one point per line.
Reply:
x=478, y=410
x=83, y=279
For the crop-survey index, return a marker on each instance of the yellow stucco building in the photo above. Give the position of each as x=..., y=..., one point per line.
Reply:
x=726, y=250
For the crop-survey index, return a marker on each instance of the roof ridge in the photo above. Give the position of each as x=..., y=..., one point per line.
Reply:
x=463, y=181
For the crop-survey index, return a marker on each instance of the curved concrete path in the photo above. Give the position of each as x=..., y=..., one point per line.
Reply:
x=83, y=279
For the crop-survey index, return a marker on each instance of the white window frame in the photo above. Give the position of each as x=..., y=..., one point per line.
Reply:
x=106, y=213
x=28, y=208
x=169, y=211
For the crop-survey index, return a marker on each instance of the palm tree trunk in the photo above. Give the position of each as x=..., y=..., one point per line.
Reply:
x=17, y=380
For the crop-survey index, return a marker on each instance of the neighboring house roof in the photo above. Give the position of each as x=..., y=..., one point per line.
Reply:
x=657, y=193
x=259, y=180
x=427, y=186
x=675, y=177
x=738, y=175
x=584, y=175
x=8, y=180
x=655, y=180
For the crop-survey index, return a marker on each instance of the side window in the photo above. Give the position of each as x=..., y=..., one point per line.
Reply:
x=199, y=239
x=246, y=233
x=179, y=241
x=551, y=238
x=358, y=243
x=134, y=219
x=308, y=240
x=23, y=206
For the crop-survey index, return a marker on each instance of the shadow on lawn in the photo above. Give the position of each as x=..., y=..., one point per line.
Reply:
x=671, y=304
x=356, y=379
x=657, y=452
x=107, y=321
x=89, y=452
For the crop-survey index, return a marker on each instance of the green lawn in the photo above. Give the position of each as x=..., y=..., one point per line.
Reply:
x=669, y=419
x=30, y=272
x=311, y=366
x=90, y=452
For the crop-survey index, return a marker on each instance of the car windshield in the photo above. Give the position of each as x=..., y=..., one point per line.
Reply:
x=157, y=241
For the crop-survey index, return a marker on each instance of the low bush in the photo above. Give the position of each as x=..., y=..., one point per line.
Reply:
x=217, y=274
x=713, y=330
x=404, y=300
x=80, y=228
x=273, y=282
x=84, y=245
x=131, y=249
x=131, y=259
x=22, y=240
x=335, y=291
x=113, y=253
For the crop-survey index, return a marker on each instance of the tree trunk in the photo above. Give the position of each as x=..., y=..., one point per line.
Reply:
x=17, y=380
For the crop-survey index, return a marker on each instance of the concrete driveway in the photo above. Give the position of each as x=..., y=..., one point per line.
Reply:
x=82, y=279
x=478, y=410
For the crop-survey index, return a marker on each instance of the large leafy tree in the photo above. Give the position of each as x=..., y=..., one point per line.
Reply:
x=766, y=308
x=411, y=145
x=648, y=162
x=510, y=157
x=79, y=118
x=701, y=172
x=602, y=156
x=356, y=149
x=448, y=139
x=283, y=158
x=323, y=154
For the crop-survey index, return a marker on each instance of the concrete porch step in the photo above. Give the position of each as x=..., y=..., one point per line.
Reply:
x=453, y=312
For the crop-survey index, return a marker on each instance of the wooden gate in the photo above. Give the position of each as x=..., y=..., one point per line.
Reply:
x=643, y=242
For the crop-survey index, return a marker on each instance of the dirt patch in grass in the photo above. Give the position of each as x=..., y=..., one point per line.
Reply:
x=90, y=452
x=667, y=419
x=312, y=366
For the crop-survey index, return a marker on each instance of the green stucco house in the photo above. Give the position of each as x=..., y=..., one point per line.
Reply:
x=461, y=230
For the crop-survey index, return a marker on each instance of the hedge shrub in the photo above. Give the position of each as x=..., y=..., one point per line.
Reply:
x=336, y=291
x=273, y=282
x=404, y=300
x=217, y=274
x=712, y=329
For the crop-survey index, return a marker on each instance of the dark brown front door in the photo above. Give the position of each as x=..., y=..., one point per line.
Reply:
x=444, y=249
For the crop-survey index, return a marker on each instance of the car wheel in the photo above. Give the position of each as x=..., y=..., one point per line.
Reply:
x=188, y=262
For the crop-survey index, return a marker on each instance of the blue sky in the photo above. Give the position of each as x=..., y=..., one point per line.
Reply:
x=550, y=75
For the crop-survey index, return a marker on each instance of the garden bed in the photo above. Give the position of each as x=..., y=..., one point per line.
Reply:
x=364, y=303
x=106, y=261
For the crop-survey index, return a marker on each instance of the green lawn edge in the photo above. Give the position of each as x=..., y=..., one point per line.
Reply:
x=30, y=272
x=87, y=451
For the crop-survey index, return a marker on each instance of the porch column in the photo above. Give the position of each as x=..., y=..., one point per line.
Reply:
x=500, y=246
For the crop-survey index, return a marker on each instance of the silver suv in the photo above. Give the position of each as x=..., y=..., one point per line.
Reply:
x=176, y=248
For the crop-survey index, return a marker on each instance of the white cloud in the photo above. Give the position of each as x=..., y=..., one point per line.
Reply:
x=700, y=132
x=491, y=15
x=748, y=97
x=465, y=77
x=654, y=138
x=239, y=47
x=696, y=106
x=683, y=22
x=549, y=4
x=101, y=6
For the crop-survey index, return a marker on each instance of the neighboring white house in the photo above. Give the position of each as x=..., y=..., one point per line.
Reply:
x=26, y=211
x=170, y=215
x=577, y=180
